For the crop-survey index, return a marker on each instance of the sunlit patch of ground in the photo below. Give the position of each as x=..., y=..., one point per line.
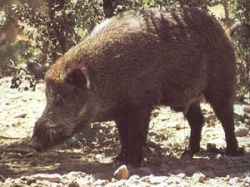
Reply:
x=217, y=10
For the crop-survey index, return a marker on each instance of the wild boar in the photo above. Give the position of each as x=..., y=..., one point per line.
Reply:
x=134, y=62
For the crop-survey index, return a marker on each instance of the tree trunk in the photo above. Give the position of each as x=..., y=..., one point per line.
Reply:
x=227, y=18
x=108, y=8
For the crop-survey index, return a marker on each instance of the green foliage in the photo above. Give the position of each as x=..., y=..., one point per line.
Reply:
x=50, y=30
x=242, y=39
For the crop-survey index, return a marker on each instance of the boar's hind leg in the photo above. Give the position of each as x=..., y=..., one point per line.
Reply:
x=221, y=102
x=132, y=123
x=195, y=120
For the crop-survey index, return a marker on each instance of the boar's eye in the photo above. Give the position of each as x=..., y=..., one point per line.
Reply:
x=76, y=78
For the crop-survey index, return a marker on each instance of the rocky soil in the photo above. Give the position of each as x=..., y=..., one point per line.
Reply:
x=87, y=158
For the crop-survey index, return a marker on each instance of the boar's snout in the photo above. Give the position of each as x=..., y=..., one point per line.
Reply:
x=40, y=140
x=48, y=133
x=33, y=143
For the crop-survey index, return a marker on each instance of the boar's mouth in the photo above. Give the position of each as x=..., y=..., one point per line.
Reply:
x=37, y=145
x=47, y=136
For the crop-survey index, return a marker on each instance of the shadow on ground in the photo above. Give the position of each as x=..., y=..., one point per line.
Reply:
x=96, y=154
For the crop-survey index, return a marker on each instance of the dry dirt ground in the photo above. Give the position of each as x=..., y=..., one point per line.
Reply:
x=87, y=158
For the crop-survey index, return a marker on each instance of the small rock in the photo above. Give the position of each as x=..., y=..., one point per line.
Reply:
x=121, y=173
x=199, y=177
x=21, y=115
x=74, y=184
x=227, y=178
x=145, y=178
x=241, y=132
x=218, y=156
x=134, y=180
x=247, y=109
x=18, y=124
x=234, y=180
x=30, y=181
x=181, y=175
x=55, y=184
x=74, y=175
x=121, y=183
x=100, y=182
x=48, y=177
x=134, y=177
x=246, y=185
x=177, y=126
x=247, y=180
x=157, y=179
x=99, y=156
x=24, y=178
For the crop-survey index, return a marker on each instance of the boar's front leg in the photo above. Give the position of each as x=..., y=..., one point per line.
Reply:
x=132, y=123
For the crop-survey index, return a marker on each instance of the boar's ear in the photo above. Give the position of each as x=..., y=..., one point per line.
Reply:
x=78, y=79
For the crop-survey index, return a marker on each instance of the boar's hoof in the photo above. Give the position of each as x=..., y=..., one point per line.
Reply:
x=237, y=152
x=130, y=159
x=36, y=146
x=187, y=154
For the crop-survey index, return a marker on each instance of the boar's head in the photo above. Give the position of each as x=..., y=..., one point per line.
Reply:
x=71, y=105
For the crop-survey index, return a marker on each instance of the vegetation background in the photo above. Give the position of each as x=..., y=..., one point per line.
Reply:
x=41, y=31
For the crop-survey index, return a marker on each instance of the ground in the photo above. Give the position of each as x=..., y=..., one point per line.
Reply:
x=87, y=158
